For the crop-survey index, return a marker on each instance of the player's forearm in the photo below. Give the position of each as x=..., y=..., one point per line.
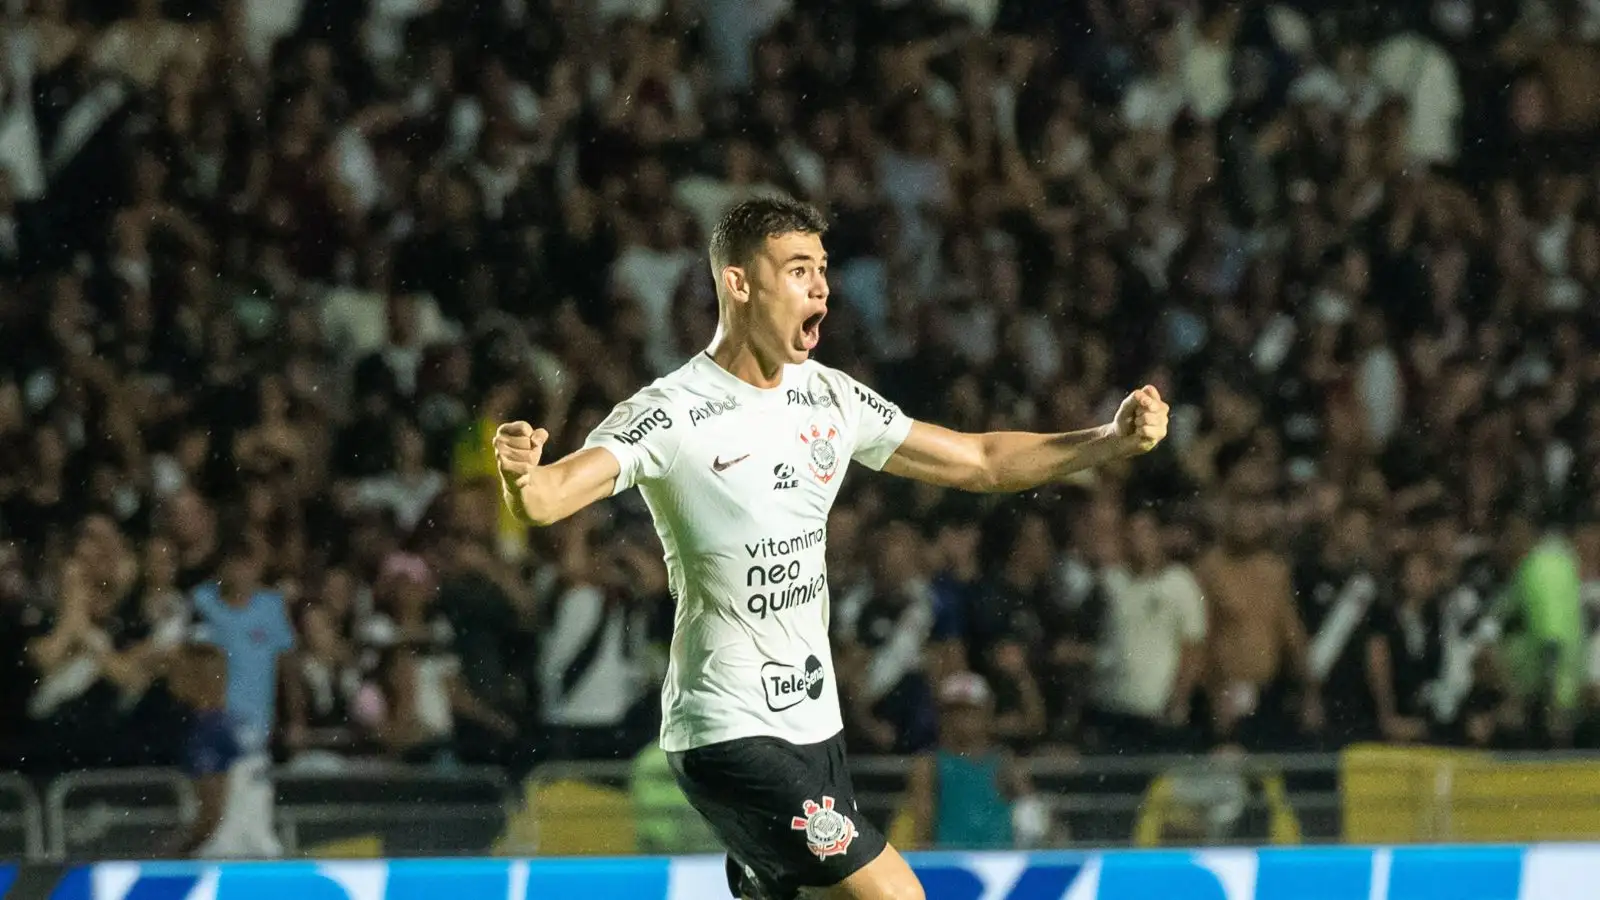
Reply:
x=544, y=495
x=1020, y=461
x=530, y=500
x=511, y=496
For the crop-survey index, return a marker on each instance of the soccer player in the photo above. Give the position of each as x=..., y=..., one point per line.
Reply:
x=739, y=455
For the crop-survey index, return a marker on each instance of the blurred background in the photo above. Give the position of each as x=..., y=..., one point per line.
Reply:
x=272, y=270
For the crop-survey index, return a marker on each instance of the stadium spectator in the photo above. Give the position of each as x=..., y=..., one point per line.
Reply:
x=90, y=666
x=426, y=702
x=234, y=815
x=336, y=697
x=1256, y=645
x=494, y=615
x=969, y=793
x=190, y=522
x=1076, y=619
x=1336, y=593
x=1543, y=623
x=591, y=654
x=1005, y=630
x=408, y=490
x=1432, y=665
x=1150, y=657
x=426, y=697
x=957, y=574
x=1404, y=654
x=251, y=624
x=882, y=629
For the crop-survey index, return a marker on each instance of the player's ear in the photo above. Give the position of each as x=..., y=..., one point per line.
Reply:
x=736, y=283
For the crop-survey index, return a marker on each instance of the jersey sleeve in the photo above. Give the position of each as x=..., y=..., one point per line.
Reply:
x=880, y=426
x=643, y=433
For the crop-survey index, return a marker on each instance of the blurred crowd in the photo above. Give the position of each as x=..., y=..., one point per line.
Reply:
x=272, y=270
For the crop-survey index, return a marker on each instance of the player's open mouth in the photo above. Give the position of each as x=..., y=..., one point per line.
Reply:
x=811, y=329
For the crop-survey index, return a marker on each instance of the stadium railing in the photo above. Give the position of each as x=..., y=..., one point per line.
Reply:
x=116, y=813
x=22, y=831
x=1101, y=801
x=405, y=811
x=1366, y=795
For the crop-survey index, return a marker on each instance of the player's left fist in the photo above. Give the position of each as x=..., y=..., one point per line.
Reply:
x=1142, y=419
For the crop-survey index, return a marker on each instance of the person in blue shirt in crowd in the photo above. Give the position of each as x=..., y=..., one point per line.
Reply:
x=250, y=623
x=970, y=793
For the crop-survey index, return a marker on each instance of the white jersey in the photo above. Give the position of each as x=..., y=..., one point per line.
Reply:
x=740, y=481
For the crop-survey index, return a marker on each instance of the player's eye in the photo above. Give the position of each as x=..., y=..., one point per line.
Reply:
x=798, y=272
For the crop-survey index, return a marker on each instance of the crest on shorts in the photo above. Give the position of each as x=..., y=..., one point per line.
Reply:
x=823, y=457
x=828, y=831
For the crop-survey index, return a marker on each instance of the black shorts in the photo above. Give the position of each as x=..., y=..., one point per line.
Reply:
x=786, y=812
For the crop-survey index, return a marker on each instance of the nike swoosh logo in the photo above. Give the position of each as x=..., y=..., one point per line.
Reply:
x=721, y=465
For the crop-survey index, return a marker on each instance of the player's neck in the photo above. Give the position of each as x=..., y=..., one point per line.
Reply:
x=738, y=355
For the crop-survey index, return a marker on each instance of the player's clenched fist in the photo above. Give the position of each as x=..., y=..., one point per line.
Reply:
x=1142, y=419
x=517, y=449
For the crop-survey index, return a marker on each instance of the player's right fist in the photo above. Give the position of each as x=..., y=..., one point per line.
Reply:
x=517, y=449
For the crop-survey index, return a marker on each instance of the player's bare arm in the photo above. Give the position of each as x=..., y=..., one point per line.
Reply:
x=543, y=495
x=1008, y=461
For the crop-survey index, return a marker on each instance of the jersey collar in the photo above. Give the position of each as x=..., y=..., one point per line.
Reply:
x=738, y=386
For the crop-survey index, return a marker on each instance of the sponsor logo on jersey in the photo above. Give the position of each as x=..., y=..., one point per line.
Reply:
x=783, y=477
x=773, y=548
x=778, y=580
x=789, y=686
x=828, y=831
x=640, y=428
x=810, y=398
x=782, y=586
x=822, y=455
x=718, y=464
x=877, y=404
x=711, y=409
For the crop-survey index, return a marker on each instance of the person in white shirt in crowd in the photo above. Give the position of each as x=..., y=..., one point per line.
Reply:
x=1150, y=655
x=655, y=255
x=410, y=488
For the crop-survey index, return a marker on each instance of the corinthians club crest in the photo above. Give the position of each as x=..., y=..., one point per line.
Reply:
x=828, y=831
x=823, y=459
